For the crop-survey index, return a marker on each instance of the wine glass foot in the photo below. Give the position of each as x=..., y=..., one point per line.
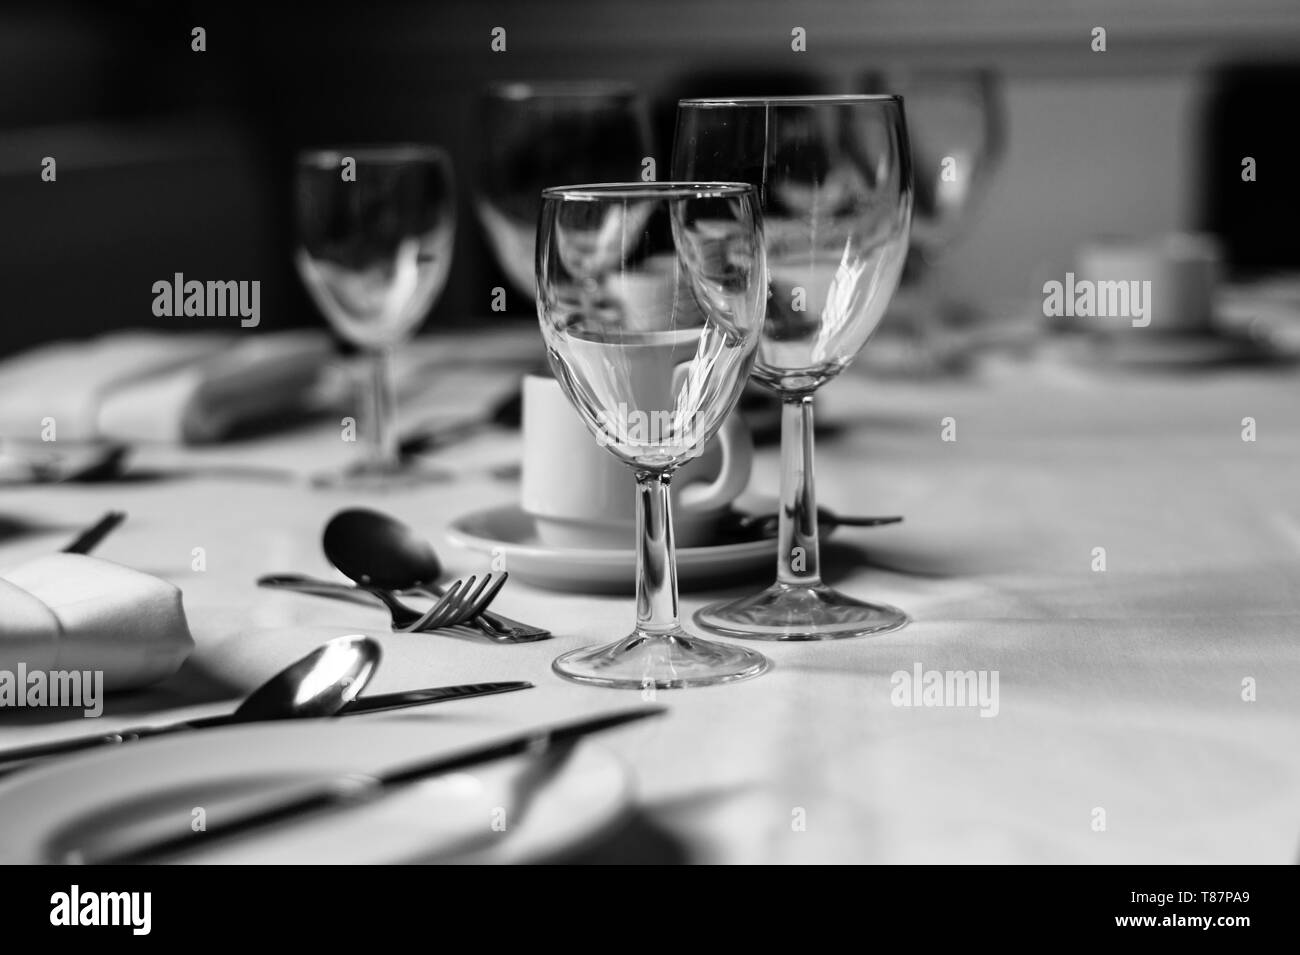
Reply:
x=663, y=661
x=370, y=476
x=790, y=612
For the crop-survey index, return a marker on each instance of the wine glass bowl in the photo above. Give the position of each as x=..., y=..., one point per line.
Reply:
x=538, y=134
x=834, y=184
x=956, y=129
x=834, y=180
x=650, y=298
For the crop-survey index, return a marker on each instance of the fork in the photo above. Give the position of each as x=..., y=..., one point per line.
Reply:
x=495, y=625
x=460, y=604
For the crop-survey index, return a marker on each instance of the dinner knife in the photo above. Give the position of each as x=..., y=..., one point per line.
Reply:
x=367, y=704
x=346, y=791
x=89, y=539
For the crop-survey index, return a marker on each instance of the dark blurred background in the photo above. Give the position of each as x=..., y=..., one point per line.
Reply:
x=175, y=161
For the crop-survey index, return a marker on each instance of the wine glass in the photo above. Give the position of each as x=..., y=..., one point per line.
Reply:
x=650, y=298
x=835, y=184
x=537, y=134
x=956, y=127
x=375, y=227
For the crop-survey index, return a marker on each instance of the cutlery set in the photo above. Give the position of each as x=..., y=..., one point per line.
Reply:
x=326, y=683
x=384, y=558
x=386, y=561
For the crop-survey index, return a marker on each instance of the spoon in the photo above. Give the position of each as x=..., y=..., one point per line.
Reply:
x=320, y=684
x=765, y=525
x=376, y=550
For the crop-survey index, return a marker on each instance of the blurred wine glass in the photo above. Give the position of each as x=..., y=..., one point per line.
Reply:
x=537, y=135
x=956, y=124
x=374, y=241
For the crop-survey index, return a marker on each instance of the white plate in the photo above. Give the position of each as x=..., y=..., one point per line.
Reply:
x=511, y=532
x=77, y=803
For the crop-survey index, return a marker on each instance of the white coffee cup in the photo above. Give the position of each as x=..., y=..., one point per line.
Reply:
x=1182, y=269
x=581, y=495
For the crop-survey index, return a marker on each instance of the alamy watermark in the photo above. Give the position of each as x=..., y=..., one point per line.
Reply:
x=178, y=298
x=625, y=427
x=962, y=688
x=80, y=689
x=130, y=909
x=1085, y=298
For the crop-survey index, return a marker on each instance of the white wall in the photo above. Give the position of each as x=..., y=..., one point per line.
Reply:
x=1086, y=156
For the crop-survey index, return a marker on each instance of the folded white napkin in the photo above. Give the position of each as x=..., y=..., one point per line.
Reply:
x=143, y=386
x=73, y=612
x=66, y=381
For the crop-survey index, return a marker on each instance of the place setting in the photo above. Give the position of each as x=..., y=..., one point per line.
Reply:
x=655, y=313
x=821, y=442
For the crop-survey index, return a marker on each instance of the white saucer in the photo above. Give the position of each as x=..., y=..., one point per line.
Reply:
x=1240, y=335
x=1179, y=351
x=77, y=803
x=511, y=532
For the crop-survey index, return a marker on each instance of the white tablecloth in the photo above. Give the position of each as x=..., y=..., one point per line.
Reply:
x=1119, y=690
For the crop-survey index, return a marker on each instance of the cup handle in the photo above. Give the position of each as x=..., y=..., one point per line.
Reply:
x=733, y=476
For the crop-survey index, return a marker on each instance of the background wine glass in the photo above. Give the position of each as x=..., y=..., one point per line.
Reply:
x=835, y=184
x=951, y=114
x=374, y=247
x=956, y=125
x=536, y=135
x=650, y=298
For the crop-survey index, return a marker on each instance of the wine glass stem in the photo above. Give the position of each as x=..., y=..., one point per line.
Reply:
x=383, y=437
x=798, y=560
x=931, y=285
x=656, y=568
